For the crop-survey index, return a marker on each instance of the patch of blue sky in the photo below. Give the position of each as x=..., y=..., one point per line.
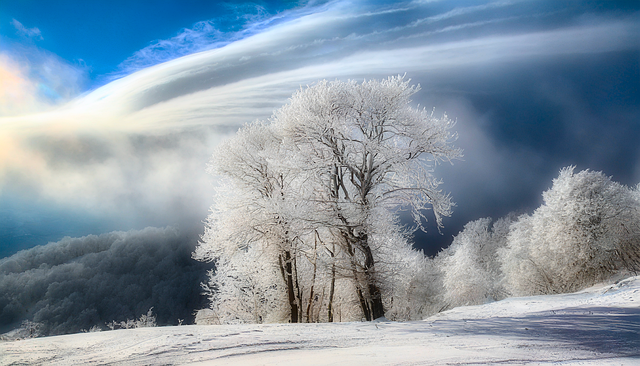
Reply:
x=48, y=92
x=244, y=21
x=25, y=223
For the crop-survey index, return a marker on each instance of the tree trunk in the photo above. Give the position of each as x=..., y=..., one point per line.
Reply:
x=331, y=292
x=313, y=280
x=287, y=273
x=376, y=307
x=296, y=284
x=333, y=285
x=361, y=291
x=367, y=290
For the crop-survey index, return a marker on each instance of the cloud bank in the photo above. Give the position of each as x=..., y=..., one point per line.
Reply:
x=78, y=283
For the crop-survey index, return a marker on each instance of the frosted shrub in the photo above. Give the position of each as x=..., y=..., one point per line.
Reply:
x=586, y=231
x=245, y=289
x=28, y=329
x=145, y=321
x=93, y=329
x=206, y=317
x=470, y=267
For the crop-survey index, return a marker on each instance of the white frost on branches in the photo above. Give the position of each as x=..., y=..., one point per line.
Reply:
x=470, y=267
x=302, y=227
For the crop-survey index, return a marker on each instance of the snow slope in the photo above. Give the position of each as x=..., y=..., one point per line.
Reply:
x=598, y=326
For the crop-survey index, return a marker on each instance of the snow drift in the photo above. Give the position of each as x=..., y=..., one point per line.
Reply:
x=597, y=326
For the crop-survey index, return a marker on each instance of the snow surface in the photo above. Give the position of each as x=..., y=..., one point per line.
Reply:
x=597, y=326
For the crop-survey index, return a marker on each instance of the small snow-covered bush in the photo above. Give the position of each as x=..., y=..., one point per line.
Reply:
x=28, y=329
x=145, y=321
x=206, y=317
x=93, y=329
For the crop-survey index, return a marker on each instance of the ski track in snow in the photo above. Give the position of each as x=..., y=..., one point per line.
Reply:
x=598, y=326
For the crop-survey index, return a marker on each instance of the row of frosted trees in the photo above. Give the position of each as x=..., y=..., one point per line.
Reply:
x=303, y=228
x=586, y=231
x=304, y=225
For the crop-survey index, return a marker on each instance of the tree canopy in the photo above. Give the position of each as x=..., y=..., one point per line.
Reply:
x=312, y=196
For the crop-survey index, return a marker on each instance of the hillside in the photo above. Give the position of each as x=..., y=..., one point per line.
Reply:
x=597, y=326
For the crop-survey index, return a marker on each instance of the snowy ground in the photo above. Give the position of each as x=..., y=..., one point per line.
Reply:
x=598, y=326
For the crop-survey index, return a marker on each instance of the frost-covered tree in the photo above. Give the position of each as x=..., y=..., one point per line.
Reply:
x=246, y=288
x=250, y=222
x=367, y=149
x=628, y=230
x=411, y=282
x=586, y=230
x=470, y=268
x=303, y=227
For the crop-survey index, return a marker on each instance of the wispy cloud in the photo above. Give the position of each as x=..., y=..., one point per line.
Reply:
x=203, y=35
x=33, y=33
x=458, y=11
x=247, y=19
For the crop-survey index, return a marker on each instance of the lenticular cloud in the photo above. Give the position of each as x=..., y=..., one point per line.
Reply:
x=78, y=283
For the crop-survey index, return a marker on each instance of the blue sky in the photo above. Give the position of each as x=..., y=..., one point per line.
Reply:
x=95, y=138
x=99, y=36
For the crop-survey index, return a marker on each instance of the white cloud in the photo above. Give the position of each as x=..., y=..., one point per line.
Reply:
x=33, y=33
x=463, y=11
x=203, y=35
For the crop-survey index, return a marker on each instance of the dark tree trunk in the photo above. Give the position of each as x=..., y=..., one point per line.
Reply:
x=367, y=289
x=287, y=274
x=296, y=284
x=313, y=281
x=376, y=308
x=331, y=292
x=362, y=290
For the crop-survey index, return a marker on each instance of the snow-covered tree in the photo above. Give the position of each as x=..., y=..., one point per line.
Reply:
x=470, y=267
x=628, y=230
x=250, y=222
x=246, y=288
x=586, y=231
x=304, y=225
x=411, y=282
x=367, y=149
